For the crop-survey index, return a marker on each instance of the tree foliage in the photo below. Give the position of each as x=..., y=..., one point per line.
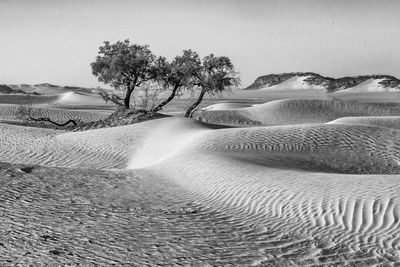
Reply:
x=217, y=75
x=124, y=66
x=180, y=74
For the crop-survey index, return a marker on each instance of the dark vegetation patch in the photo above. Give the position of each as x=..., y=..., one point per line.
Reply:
x=119, y=118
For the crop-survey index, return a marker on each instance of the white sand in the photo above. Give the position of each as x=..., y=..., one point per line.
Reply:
x=227, y=106
x=9, y=112
x=296, y=83
x=370, y=85
x=387, y=121
x=291, y=180
x=296, y=111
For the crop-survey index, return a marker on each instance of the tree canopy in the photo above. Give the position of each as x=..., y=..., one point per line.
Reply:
x=124, y=66
x=180, y=74
x=217, y=75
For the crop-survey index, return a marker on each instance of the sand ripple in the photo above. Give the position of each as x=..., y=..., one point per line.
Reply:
x=9, y=113
x=291, y=182
x=296, y=111
x=387, y=121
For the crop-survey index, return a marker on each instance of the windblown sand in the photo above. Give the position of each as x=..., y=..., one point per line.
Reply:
x=9, y=112
x=387, y=121
x=295, y=111
x=312, y=190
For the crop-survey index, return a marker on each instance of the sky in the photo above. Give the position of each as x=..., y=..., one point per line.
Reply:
x=55, y=41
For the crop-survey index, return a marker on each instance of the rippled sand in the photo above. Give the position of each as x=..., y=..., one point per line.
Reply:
x=307, y=192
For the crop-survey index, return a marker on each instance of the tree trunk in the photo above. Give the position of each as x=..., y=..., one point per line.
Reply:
x=166, y=101
x=53, y=122
x=195, y=104
x=127, y=100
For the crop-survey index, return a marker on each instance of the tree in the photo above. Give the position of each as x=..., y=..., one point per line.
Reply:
x=217, y=75
x=123, y=66
x=147, y=97
x=181, y=73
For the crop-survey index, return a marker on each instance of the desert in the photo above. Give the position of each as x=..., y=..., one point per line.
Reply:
x=301, y=182
x=199, y=133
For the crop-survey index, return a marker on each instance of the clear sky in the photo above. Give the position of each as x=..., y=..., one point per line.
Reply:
x=55, y=41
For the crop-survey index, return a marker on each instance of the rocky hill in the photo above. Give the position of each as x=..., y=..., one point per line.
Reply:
x=307, y=80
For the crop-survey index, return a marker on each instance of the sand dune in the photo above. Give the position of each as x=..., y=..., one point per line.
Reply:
x=296, y=82
x=388, y=97
x=9, y=112
x=323, y=147
x=50, y=89
x=54, y=95
x=73, y=98
x=388, y=121
x=246, y=174
x=313, y=147
x=339, y=215
x=295, y=111
x=289, y=182
x=370, y=85
x=69, y=98
x=227, y=106
x=261, y=96
x=18, y=99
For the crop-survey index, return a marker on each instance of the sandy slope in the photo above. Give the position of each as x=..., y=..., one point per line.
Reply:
x=295, y=111
x=247, y=175
x=227, y=106
x=55, y=95
x=296, y=83
x=387, y=121
x=18, y=99
x=75, y=217
x=261, y=96
x=73, y=98
x=8, y=112
x=370, y=85
x=289, y=185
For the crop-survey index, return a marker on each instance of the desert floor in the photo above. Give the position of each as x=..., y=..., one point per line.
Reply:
x=256, y=179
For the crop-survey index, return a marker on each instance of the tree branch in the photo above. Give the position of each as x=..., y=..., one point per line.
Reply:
x=53, y=122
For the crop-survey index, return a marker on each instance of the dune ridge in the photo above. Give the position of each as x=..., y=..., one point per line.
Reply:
x=295, y=111
x=325, y=209
x=330, y=209
x=296, y=82
x=337, y=148
x=387, y=121
x=9, y=112
x=289, y=180
x=306, y=80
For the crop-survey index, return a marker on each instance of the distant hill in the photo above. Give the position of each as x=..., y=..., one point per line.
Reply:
x=50, y=89
x=44, y=85
x=310, y=80
x=4, y=89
